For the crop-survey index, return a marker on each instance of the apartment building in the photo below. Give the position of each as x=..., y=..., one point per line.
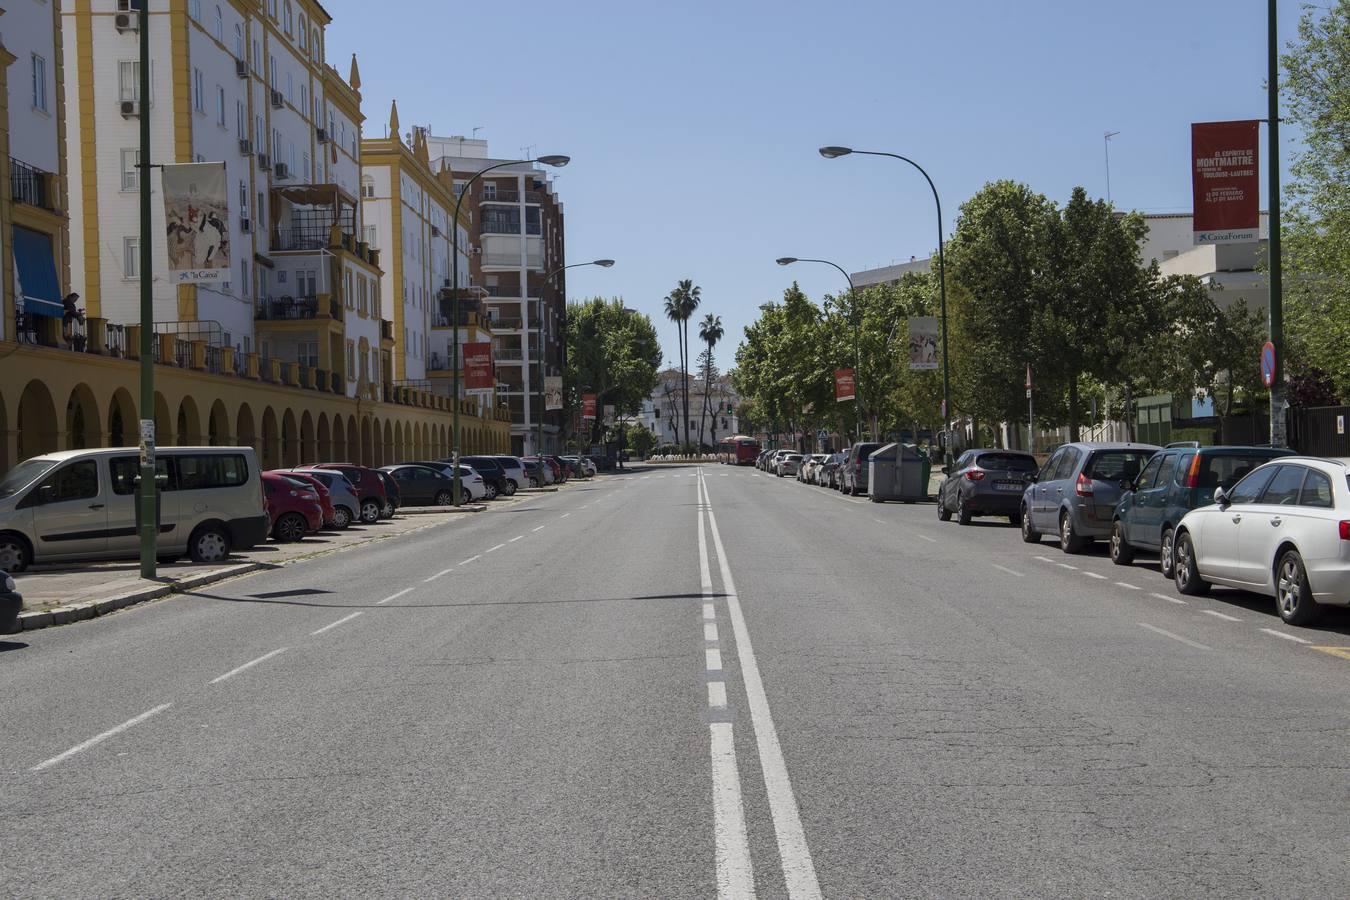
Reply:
x=713, y=409
x=517, y=220
x=34, y=234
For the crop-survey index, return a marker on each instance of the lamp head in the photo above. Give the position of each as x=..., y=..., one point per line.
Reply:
x=786, y=260
x=833, y=152
x=555, y=160
x=603, y=263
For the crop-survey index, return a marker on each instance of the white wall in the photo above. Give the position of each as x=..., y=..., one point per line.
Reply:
x=28, y=28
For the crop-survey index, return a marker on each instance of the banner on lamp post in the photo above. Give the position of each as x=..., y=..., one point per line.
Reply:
x=609, y=414
x=553, y=392
x=478, y=374
x=923, y=343
x=1225, y=181
x=588, y=406
x=844, y=387
x=197, y=216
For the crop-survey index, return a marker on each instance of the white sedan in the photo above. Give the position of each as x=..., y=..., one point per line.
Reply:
x=1283, y=531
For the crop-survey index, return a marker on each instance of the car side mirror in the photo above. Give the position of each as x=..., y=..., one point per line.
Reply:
x=1127, y=484
x=1221, y=498
x=47, y=493
x=1033, y=477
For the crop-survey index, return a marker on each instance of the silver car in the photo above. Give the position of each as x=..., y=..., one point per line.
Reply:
x=788, y=463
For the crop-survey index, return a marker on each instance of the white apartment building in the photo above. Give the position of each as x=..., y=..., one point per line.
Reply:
x=243, y=82
x=712, y=413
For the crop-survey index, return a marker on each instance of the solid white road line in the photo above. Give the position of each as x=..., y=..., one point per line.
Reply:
x=471, y=559
x=1287, y=637
x=717, y=694
x=799, y=872
x=1008, y=570
x=394, y=596
x=1095, y=575
x=335, y=624
x=1175, y=637
x=709, y=613
x=1127, y=585
x=735, y=875
x=712, y=659
x=1177, y=600
x=710, y=631
x=494, y=549
x=519, y=537
x=540, y=528
x=247, y=665
x=100, y=738
x=1219, y=615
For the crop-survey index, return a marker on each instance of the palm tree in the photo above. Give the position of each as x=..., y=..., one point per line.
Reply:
x=680, y=306
x=710, y=331
x=674, y=306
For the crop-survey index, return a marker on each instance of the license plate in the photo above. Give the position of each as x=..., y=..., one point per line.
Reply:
x=1007, y=485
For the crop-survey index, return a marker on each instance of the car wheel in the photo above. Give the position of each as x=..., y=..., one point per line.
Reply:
x=491, y=493
x=209, y=544
x=444, y=498
x=1029, y=533
x=342, y=517
x=1186, y=574
x=944, y=514
x=1293, y=594
x=370, y=511
x=1069, y=541
x=1015, y=519
x=962, y=511
x=1122, y=554
x=1166, y=559
x=289, y=528
x=510, y=488
x=15, y=556
x=387, y=511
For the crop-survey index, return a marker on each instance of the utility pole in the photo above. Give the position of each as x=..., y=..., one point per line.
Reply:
x=1106, y=143
x=148, y=527
x=1278, y=437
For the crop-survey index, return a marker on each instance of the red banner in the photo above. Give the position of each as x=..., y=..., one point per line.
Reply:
x=1225, y=181
x=478, y=367
x=588, y=406
x=843, y=385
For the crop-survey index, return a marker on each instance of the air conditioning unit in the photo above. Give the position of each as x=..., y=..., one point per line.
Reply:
x=282, y=170
x=241, y=68
x=321, y=135
x=127, y=21
x=435, y=232
x=246, y=146
x=264, y=161
x=278, y=101
x=131, y=109
x=445, y=283
x=245, y=225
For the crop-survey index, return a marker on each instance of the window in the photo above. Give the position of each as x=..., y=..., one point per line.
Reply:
x=220, y=106
x=1316, y=491
x=272, y=8
x=348, y=293
x=367, y=186
x=368, y=234
x=314, y=45
x=303, y=30
x=131, y=257
x=198, y=91
x=126, y=472
x=289, y=21
x=276, y=146
x=257, y=54
x=1168, y=467
x=218, y=27
x=241, y=119
x=489, y=190
x=351, y=361
x=195, y=9
x=362, y=296
x=309, y=354
x=77, y=481
x=1249, y=488
x=1284, y=487
x=131, y=172
x=304, y=99
x=305, y=167
x=39, y=83
x=238, y=41
x=201, y=471
x=271, y=71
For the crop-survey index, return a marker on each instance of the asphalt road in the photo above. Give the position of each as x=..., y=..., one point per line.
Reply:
x=681, y=682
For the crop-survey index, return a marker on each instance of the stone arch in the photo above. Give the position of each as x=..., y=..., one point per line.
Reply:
x=121, y=419
x=417, y=441
x=290, y=440
x=388, y=438
x=308, y=450
x=367, y=446
x=353, y=448
x=37, y=421
x=189, y=424
x=270, y=449
x=377, y=440
x=163, y=422
x=245, y=429
x=5, y=461
x=324, y=451
x=218, y=425
x=83, y=424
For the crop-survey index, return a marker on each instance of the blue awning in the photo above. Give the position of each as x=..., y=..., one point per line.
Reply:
x=36, y=266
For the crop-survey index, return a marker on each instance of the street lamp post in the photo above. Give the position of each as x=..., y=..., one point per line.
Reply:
x=539, y=421
x=552, y=160
x=857, y=326
x=836, y=152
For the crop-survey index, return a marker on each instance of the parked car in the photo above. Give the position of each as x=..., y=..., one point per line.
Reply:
x=1176, y=481
x=325, y=496
x=81, y=504
x=807, y=472
x=545, y=471
x=393, y=497
x=423, y=485
x=985, y=483
x=1075, y=493
x=293, y=507
x=11, y=604
x=494, y=476
x=372, y=498
x=346, y=505
x=829, y=470
x=470, y=482
x=853, y=470
x=515, y=473
x=587, y=466
x=787, y=464
x=560, y=466
x=1282, y=531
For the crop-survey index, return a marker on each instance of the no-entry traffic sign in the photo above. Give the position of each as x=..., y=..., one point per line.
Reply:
x=1267, y=363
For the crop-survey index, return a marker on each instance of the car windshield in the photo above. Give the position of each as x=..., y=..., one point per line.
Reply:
x=24, y=474
x=1116, y=465
x=1013, y=462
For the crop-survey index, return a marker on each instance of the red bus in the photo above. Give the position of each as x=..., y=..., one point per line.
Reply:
x=738, y=450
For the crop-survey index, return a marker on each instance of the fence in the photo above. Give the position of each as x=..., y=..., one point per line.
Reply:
x=1320, y=431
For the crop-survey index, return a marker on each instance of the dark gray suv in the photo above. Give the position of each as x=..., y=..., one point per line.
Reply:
x=985, y=483
x=1075, y=493
x=853, y=471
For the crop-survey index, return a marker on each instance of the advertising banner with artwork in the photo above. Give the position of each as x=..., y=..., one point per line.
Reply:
x=923, y=343
x=478, y=367
x=588, y=406
x=553, y=392
x=197, y=216
x=1225, y=182
x=844, y=387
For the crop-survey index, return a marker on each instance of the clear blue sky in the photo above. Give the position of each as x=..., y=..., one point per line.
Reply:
x=693, y=127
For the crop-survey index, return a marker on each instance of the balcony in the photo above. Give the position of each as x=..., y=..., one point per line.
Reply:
x=31, y=185
x=503, y=290
x=277, y=309
x=501, y=196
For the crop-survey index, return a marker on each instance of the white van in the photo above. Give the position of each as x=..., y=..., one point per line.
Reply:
x=81, y=504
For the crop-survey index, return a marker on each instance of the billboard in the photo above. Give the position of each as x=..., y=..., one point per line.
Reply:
x=553, y=392
x=588, y=406
x=478, y=367
x=196, y=217
x=1225, y=181
x=923, y=343
x=609, y=414
x=843, y=385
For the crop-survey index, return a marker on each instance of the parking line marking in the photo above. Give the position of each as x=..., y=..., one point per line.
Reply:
x=248, y=665
x=564, y=515
x=1067, y=566
x=394, y=596
x=710, y=631
x=1095, y=575
x=1177, y=600
x=712, y=658
x=516, y=538
x=1219, y=615
x=335, y=624
x=924, y=537
x=1127, y=585
x=100, y=738
x=1342, y=652
x=717, y=694
x=437, y=575
x=1043, y=559
x=471, y=559
x=1176, y=637
x=1298, y=640
x=709, y=613
x=540, y=528
x=878, y=521
x=493, y=549
x=1008, y=570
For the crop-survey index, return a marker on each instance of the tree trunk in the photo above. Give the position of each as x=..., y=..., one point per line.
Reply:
x=1073, y=408
x=686, y=384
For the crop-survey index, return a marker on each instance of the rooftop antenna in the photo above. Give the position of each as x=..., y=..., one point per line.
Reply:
x=527, y=152
x=474, y=135
x=1106, y=144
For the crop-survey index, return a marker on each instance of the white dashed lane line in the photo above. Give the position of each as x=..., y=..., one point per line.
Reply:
x=1176, y=637
x=471, y=559
x=1219, y=615
x=246, y=666
x=540, y=528
x=100, y=738
x=1177, y=600
x=1095, y=575
x=1007, y=570
x=1128, y=586
x=494, y=549
x=516, y=538
x=712, y=659
x=1287, y=637
x=335, y=624
x=394, y=596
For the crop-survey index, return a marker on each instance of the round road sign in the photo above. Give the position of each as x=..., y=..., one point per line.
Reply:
x=1268, y=364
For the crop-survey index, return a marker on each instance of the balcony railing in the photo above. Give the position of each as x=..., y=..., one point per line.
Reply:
x=30, y=184
x=274, y=309
x=503, y=290
x=500, y=196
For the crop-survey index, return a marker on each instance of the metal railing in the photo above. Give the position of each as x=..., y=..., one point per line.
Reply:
x=500, y=196
x=304, y=307
x=29, y=184
x=503, y=290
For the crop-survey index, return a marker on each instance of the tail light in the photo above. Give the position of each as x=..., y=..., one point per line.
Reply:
x=1345, y=529
x=1083, y=487
x=1193, y=477
x=975, y=475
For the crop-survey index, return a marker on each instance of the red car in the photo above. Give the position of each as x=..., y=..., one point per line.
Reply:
x=552, y=465
x=314, y=484
x=368, y=487
x=293, y=508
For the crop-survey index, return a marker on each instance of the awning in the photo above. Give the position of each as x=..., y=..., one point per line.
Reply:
x=36, y=267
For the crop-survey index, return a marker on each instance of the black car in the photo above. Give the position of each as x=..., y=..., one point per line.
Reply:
x=421, y=485
x=494, y=476
x=392, y=493
x=985, y=483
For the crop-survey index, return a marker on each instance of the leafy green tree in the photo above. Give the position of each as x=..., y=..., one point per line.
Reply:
x=1316, y=247
x=612, y=352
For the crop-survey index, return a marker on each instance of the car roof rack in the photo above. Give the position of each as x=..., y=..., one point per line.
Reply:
x=1194, y=444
